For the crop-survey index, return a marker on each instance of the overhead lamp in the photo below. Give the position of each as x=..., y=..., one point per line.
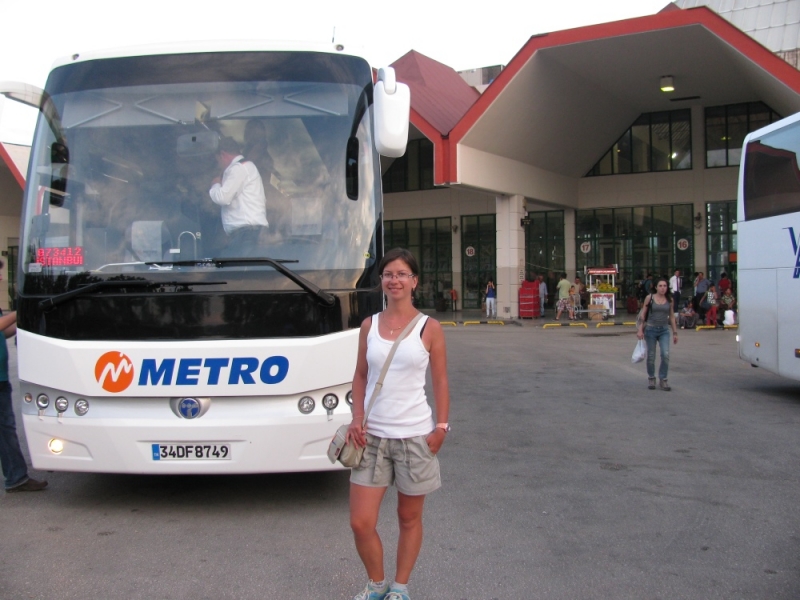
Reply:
x=667, y=84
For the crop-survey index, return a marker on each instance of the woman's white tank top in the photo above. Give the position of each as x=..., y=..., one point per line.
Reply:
x=401, y=409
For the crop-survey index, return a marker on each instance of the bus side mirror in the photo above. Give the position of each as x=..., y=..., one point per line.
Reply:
x=392, y=107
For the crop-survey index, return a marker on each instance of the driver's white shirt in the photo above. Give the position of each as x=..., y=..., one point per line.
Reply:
x=240, y=196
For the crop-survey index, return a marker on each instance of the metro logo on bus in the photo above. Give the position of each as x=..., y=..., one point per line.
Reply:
x=115, y=372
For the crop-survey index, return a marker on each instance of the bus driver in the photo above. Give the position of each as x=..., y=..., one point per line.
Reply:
x=240, y=194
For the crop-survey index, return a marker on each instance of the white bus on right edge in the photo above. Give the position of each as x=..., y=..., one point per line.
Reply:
x=769, y=249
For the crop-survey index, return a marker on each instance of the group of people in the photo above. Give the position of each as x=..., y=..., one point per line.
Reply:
x=571, y=297
x=714, y=304
x=658, y=317
x=709, y=304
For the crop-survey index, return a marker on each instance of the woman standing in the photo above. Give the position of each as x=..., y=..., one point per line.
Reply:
x=400, y=438
x=491, y=299
x=656, y=320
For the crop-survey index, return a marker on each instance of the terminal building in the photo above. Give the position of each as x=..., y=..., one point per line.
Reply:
x=616, y=143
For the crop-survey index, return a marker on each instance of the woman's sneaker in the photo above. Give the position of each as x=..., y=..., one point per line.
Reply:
x=396, y=595
x=373, y=592
x=664, y=385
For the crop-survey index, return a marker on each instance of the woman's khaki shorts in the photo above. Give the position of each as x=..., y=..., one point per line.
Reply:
x=407, y=463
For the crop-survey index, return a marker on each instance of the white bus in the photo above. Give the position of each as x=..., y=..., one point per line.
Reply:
x=147, y=341
x=769, y=248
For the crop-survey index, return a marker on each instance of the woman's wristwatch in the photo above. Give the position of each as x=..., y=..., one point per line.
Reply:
x=444, y=426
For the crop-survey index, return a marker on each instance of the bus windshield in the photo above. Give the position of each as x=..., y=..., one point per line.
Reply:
x=127, y=149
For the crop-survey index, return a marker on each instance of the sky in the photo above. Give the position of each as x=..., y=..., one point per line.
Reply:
x=34, y=34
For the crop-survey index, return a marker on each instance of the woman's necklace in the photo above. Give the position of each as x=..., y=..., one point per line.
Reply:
x=392, y=330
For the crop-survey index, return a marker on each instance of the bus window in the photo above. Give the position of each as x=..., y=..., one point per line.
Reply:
x=771, y=174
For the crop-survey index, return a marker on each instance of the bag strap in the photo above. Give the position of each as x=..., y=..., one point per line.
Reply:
x=385, y=369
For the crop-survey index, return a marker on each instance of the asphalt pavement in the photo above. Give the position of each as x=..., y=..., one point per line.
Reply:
x=564, y=478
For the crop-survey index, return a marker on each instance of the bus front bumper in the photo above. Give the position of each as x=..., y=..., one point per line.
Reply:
x=152, y=446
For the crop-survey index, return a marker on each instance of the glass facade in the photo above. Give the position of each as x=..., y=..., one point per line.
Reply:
x=479, y=247
x=659, y=141
x=727, y=126
x=640, y=239
x=413, y=171
x=721, y=239
x=430, y=240
x=544, y=247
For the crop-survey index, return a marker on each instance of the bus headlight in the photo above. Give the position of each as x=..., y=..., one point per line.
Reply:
x=81, y=407
x=55, y=446
x=330, y=401
x=28, y=398
x=306, y=404
x=348, y=397
x=61, y=404
x=42, y=401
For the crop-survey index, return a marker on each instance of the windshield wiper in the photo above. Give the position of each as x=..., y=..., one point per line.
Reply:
x=313, y=289
x=54, y=301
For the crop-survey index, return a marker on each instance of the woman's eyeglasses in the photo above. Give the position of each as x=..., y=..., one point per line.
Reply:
x=399, y=276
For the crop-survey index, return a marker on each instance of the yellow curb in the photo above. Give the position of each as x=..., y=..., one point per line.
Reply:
x=546, y=325
x=629, y=323
x=495, y=323
x=453, y=323
x=699, y=327
x=730, y=327
x=605, y=325
x=471, y=323
x=584, y=325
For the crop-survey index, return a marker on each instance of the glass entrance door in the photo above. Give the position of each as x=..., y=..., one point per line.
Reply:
x=479, y=248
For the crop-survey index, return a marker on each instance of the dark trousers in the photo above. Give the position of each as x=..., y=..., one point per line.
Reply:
x=698, y=306
x=15, y=471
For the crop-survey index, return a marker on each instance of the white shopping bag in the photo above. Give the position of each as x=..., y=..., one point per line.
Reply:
x=640, y=352
x=730, y=319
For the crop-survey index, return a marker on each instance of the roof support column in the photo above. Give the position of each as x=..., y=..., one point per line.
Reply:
x=510, y=253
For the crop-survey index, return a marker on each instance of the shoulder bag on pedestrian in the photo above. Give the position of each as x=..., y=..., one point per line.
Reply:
x=346, y=452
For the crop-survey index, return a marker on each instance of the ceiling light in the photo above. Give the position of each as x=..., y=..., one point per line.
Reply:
x=667, y=84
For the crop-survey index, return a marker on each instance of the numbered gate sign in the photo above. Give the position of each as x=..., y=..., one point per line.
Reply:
x=682, y=244
x=586, y=247
x=470, y=251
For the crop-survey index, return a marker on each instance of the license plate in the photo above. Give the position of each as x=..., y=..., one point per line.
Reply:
x=191, y=452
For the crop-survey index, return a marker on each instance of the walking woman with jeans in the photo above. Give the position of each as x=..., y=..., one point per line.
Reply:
x=656, y=320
